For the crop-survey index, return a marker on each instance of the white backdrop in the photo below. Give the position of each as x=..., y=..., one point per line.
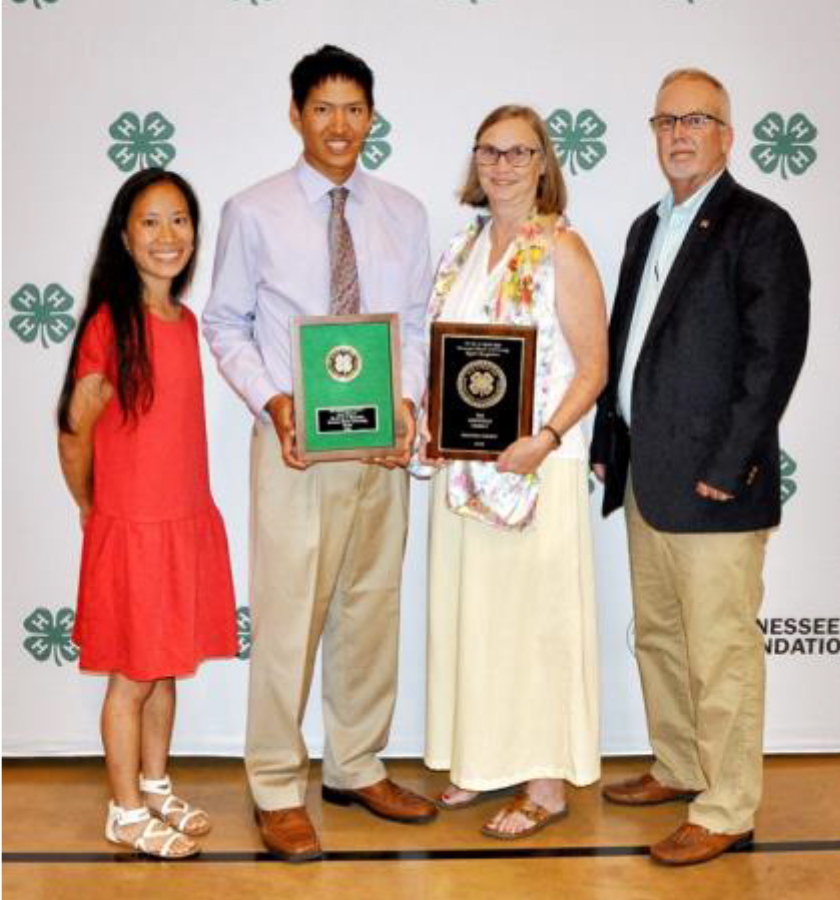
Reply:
x=94, y=88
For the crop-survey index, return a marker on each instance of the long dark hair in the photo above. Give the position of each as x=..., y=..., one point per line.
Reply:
x=116, y=284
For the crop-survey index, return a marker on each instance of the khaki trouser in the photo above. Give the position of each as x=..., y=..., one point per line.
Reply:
x=326, y=558
x=701, y=658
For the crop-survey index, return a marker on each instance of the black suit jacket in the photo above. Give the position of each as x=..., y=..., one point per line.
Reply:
x=716, y=369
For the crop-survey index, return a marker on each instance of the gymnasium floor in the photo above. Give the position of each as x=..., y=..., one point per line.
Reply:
x=53, y=848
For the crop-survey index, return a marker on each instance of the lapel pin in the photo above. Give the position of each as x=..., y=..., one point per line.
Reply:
x=704, y=223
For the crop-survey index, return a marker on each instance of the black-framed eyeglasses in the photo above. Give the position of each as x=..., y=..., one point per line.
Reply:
x=517, y=156
x=693, y=121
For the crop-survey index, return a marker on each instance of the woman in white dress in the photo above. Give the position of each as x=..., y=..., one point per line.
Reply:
x=512, y=663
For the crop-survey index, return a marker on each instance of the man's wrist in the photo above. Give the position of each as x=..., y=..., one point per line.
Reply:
x=272, y=405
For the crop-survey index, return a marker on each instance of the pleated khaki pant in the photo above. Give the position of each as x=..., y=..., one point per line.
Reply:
x=327, y=549
x=701, y=657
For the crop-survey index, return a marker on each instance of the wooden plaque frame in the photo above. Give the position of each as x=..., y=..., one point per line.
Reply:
x=479, y=424
x=339, y=414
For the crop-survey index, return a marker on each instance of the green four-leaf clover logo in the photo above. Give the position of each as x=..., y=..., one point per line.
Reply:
x=788, y=468
x=139, y=146
x=45, y=314
x=576, y=140
x=36, y=2
x=784, y=146
x=376, y=149
x=51, y=635
x=243, y=632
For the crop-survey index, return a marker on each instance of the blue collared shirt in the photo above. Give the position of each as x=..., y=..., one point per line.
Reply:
x=272, y=263
x=674, y=222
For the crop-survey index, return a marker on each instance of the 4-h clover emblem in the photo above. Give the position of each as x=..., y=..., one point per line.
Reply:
x=140, y=146
x=784, y=146
x=376, y=149
x=45, y=314
x=51, y=635
x=787, y=467
x=243, y=632
x=344, y=363
x=481, y=383
x=576, y=140
x=36, y=2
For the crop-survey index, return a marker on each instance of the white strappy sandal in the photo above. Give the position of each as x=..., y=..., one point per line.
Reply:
x=175, y=811
x=156, y=839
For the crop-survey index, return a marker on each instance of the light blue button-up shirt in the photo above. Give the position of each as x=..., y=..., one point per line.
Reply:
x=674, y=222
x=272, y=263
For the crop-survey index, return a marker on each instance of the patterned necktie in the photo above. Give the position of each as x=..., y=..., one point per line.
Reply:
x=344, y=278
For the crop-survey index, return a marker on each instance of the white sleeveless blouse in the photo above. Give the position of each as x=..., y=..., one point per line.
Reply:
x=467, y=302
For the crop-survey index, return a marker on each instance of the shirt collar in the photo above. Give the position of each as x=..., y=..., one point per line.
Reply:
x=316, y=186
x=690, y=205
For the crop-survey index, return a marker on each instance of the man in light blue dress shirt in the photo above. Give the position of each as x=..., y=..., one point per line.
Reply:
x=327, y=540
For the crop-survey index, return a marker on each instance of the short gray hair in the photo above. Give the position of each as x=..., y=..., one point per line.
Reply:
x=689, y=74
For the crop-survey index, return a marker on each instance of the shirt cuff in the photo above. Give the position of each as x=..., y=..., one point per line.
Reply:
x=259, y=393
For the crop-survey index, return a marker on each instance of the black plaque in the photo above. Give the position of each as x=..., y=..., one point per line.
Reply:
x=481, y=388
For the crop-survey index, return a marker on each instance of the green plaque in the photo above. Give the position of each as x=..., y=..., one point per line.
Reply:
x=347, y=386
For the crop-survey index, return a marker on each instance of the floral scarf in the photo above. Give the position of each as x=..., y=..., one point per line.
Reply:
x=477, y=489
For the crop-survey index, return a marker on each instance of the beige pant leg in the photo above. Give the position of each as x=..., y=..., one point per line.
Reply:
x=362, y=633
x=721, y=581
x=301, y=526
x=716, y=583
x=662, y=655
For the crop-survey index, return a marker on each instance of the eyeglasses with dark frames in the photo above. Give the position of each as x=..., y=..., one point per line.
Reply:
x=517, y=156
x=693, y=121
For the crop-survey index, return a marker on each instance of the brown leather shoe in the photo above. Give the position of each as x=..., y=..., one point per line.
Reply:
x=386, y=800
x=288, y=834
x=691, y=844
x=644, y=791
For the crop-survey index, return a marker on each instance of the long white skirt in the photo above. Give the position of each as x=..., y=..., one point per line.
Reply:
x=513, y=646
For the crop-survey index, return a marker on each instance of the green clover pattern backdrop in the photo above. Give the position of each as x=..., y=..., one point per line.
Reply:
x=97, y=89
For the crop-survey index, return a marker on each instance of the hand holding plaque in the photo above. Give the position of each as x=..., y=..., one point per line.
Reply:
x=481, y=389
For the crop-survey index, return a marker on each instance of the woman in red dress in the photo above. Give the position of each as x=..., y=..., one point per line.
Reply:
x=155, y=590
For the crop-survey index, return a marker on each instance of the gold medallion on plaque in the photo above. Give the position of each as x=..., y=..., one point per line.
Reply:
x=481, y=384
x=344, y=363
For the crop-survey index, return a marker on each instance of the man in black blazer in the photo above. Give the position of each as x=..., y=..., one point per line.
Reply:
x=707, y=337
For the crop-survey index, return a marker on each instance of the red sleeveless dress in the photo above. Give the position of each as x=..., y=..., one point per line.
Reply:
x=155, y=589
